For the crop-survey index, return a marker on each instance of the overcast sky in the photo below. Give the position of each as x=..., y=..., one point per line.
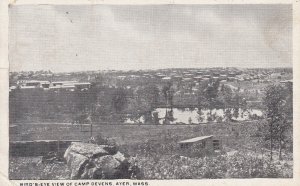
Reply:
x=123, y=37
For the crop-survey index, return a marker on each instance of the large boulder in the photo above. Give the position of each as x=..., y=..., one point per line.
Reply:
x=91, y=161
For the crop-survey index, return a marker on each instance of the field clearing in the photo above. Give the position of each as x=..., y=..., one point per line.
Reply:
x=233, y=135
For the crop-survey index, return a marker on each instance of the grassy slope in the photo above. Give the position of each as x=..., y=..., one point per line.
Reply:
x=154, y=147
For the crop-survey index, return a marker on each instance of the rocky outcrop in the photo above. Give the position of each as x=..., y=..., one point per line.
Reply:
x=91, y=161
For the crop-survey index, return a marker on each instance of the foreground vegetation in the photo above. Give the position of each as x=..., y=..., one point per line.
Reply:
x=155, y=151
x=220, y=166
x=167, y=167
x=23, y=168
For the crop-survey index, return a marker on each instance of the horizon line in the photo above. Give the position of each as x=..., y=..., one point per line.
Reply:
x=136, y=70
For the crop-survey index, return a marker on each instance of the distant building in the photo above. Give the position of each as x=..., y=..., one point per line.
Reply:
x=62, y=83
x=29, y=84
x=198, y=78
x=121, y=77
x=231, y=74
x=66, y=85
x=188, y=75
x=187, y=79
x=199, y=73
x=12, y=88
x=231, y=79
x=70, y=85
x=215, y=78
x=223, y=77
x=216, y=74
x=203, y=144
x=207, y=76
x=177, y=77
x=287, y=82
x=83, y=86
x=205, y=79
x=160, y=75
x=166, y=78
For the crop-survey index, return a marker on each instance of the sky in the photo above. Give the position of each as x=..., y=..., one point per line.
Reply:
x=65, y=38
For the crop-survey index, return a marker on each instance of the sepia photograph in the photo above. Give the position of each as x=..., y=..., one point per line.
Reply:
x=150, y=92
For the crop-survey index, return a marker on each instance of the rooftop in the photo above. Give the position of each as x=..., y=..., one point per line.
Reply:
x=192, y=140
x=287, y=81
x=82, y=83
x=64, y=82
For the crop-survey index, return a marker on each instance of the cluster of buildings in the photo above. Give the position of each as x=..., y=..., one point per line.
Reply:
x=56, y=85
x=197, y=76
x=215, y=74
x=182, y=78
x=193, y=75
x=188, y=75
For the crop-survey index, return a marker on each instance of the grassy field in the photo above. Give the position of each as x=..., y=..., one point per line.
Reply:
x=232, y=135
x=132, y=134
x=155, y=150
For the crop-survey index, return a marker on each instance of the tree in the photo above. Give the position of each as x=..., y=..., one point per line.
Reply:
x=209, y=97
x=119, y=99
x=202, y=102
x=211, y=93
x=279, y=111
x=98, y=81
x=155, y=118
x=236, y=105
x=145, y=99
x=169, y=117
x=200, y=116
x=149, y=94
x=225, y=97
x=228, y=114
x=165, y=90
x=168, y=93
x=190, y=120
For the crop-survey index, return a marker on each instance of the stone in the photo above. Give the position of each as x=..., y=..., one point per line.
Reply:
x=76, y=163
x=91, y=161
x=120, y=157
x=88, y=149
x=105, y=167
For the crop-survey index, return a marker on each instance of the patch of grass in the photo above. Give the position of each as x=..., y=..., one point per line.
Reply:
x=32, y=168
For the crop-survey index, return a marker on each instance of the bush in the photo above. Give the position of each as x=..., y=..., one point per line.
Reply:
x=99, y=140
x=220, y=166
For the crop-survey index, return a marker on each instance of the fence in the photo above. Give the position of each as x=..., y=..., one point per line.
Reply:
x=38, y=147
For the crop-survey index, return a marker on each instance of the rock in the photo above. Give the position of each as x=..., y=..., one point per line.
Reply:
x=109, y=149
x=105, y=167
x=91, y=161
x=76, y=163
x=120, y=157
x=88, y=149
